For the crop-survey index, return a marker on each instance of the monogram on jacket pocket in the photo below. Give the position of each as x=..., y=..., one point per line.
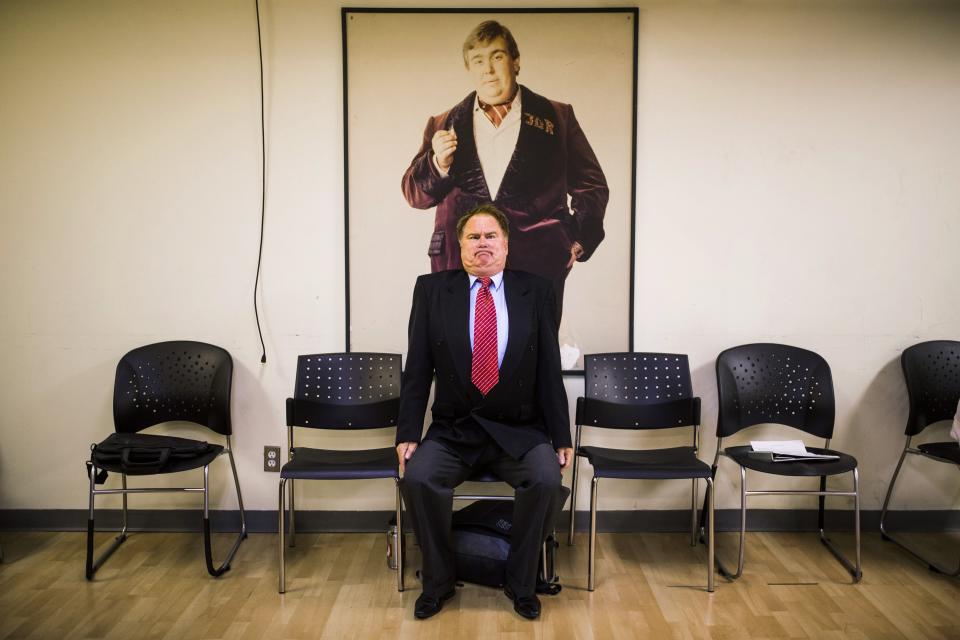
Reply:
x=436, y=243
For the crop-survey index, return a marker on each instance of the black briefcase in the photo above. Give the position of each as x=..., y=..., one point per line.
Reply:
x=481, y=540
x=147, y=454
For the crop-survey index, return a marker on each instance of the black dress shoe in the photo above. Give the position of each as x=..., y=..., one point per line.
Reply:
x=526, y=606
x=427, y=606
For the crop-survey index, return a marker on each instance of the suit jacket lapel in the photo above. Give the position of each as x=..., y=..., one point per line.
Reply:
x=466, y=162
x=456, y=308
x=520, y=311
x=513, y=176
x=533, y=162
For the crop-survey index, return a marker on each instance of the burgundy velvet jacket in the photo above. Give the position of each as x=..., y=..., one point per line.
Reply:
x=552, y=160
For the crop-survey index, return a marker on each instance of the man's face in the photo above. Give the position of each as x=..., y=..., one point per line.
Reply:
x=493, y=70
x=483, y=247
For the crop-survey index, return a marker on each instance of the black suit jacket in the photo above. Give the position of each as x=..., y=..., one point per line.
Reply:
x=527, y=407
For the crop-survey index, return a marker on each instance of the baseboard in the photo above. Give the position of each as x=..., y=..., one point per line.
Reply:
x=377, y=521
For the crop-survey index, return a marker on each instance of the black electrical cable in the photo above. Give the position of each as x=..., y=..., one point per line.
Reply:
x=263, y=187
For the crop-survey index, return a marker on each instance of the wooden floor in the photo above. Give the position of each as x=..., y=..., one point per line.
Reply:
x=648, y=586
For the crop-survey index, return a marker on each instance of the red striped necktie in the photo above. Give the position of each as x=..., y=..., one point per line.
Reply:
x=484, y=370
x=496, y=112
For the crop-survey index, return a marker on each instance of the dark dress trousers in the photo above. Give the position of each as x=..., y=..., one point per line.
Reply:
x=513, y=431
x=552, y=160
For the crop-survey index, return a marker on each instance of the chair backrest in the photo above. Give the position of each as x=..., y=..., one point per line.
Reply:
x=629, y=390
x=932, y=372
x=173, y=381
x=776, y=384
x=346, y=391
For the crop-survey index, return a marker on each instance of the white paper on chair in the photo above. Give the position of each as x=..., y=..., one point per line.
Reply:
x=785, y=451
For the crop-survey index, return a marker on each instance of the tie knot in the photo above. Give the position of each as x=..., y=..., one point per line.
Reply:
x=485, y=282
x=495, y=112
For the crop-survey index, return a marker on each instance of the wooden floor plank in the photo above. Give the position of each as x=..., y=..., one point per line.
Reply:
x=648, y=586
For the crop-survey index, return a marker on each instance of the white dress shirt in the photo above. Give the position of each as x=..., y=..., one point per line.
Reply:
x=495, y=145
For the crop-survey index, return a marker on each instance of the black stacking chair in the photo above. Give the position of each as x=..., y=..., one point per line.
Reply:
x=166, y=382
x=780, y=384
x=343, y=391
x=640, y=391
x=932, y=372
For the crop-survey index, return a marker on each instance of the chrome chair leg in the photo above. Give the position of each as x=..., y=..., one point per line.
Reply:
x=93, y=565
x=207, y=550
x=123, y=497
x=293, y=518
x=281, y=516
x=743, y=530
x=743, y=521
x=543, y=563
x=856, y=519
x=398, y=546
x=886, y=501
x=592, y=551
x=853, y=569
x=236, y=484
x=887, y=535
x=711, y=555
x=573, y=497
x=713, y=478
x=693, y=513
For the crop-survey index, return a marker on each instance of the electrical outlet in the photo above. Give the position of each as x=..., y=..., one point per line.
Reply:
x=271, y=459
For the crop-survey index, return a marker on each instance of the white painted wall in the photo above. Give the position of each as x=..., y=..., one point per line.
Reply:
x=797, y=180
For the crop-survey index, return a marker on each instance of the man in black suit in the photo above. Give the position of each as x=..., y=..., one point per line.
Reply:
x=499, y=405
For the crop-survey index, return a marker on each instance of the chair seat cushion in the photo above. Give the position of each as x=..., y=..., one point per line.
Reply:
x=327, y=464
x=646, y=464
x=141, y=454
x=945, y=451
x=844, y=464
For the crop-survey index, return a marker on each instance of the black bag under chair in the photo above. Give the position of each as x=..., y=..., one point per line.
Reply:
x=481, y=539
x=167, y=382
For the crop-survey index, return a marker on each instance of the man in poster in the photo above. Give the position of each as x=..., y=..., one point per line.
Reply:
x=525, y=153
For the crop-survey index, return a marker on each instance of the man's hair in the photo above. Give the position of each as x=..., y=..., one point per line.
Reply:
x=485, y=210
x=485, y=32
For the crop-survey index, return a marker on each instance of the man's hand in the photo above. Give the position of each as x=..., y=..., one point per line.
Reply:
x=444, y=144
x=576, y=250
x=405, y=452
x=564, y=457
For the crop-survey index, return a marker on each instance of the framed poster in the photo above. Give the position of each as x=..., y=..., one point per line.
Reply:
x=533, y=110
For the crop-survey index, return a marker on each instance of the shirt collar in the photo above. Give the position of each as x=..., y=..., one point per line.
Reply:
x=514, y=104
x=497, y=279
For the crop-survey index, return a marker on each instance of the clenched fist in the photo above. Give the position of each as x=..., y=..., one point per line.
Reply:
x=444, y=145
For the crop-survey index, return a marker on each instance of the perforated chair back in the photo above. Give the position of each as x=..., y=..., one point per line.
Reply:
x=637, y=378
x=779, y=384
x=176, y=381
x=932, y=373
x=615, y=384
x=774, y=383
x=179, y=380
x=341, y=391
x=628, y=390
x=346, y=391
